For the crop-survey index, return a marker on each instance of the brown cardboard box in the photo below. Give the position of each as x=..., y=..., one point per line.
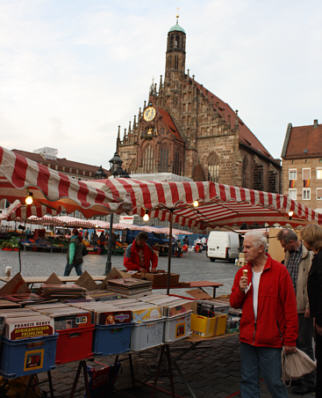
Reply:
x=159, y=279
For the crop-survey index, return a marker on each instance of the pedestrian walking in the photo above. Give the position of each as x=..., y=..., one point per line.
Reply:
x=75, y=253
x=298, y=260
x=312, y=239
x=263, y=289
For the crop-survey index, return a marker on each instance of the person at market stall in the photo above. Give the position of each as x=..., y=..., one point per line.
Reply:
x=140, y=256
x=298, y=260
x=312, y=240
x=264, y=291
x=113, y=238
x=75, y=253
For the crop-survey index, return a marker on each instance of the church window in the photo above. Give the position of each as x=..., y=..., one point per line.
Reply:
x=176, y=62
x=132, y=166
x=148, y=160
x=258, y=177
x=164, y=158
x=272, y=181
x=176, y=168
x=244, y=172
x=213, y=167
x=176, y=42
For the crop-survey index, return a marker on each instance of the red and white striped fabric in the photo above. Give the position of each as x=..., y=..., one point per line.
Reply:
x=19, y=175
x=67, y=221
x=18, y=211
x=219, y=205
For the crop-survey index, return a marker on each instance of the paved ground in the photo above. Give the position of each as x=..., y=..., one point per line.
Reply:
x=212, y=370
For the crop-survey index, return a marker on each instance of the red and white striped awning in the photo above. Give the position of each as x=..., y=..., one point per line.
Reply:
x=19, y=176
x=18, y=211
x=219, y=205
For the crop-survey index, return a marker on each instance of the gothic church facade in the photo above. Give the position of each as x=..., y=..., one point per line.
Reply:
x=187, y=130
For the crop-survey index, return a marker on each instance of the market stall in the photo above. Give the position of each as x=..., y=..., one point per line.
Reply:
x=197, y=205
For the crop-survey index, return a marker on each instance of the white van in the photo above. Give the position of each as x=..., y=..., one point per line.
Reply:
x=223, y=245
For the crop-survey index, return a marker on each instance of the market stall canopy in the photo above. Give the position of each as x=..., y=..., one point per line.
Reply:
x=20, y=176
x=18, y=211
x=218, y=205
x=71, y=222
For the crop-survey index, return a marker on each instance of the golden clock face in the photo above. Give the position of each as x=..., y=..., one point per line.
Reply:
x=149, y=113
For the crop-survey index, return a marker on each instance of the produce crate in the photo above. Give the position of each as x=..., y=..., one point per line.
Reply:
x=203, y=326
x=177, y=327
x=112, y=339
x=147, y=334
x=221, y=324
x=27, y=356
x=74, y=344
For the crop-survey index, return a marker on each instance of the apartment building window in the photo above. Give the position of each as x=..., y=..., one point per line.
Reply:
x=318, y=193
x=292, y=177
x=306, y=193
x=306, y=177
x=319, y=173
x=292, y=193
x=292, y=174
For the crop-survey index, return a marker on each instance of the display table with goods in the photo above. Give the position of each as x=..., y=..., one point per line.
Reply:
x=160, y=281
x=209, y=320
x=38, y=326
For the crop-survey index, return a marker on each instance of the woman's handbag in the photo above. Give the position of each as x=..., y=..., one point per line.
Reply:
x=296, y=365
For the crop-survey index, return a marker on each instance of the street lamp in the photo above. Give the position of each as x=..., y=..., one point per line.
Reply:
x=116, y=171
x=100, y=173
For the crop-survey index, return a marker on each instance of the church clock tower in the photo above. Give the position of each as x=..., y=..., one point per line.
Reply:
x=176, y=50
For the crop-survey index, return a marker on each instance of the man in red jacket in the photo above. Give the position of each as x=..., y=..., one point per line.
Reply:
x=139, y=255
x=264, y=290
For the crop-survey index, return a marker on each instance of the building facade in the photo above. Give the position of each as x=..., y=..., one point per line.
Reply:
x=302, y=164
x=48, y=157
x=185, y=129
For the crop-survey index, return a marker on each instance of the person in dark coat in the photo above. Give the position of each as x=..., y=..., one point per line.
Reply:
x=75, y=254
x=312, y=239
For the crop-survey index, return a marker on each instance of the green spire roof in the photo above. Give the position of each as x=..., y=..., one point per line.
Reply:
x=177, y=28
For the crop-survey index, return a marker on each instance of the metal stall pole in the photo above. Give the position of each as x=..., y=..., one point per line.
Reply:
x=109, y=248
x=170, y=251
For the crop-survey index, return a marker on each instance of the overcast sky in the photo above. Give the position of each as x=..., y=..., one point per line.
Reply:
x=71, y=71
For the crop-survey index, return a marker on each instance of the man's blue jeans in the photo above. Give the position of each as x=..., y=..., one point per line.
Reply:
x=69, y=267
x=265, y=362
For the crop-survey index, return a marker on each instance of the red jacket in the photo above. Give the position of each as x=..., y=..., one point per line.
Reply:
x=132, y=259
x=276, y=323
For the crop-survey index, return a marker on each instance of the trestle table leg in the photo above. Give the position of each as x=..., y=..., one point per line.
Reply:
x=159, y=366
x=81, y=365
x=50, y=382
x=183, y=379
x=132, y=370
x=168, y=353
